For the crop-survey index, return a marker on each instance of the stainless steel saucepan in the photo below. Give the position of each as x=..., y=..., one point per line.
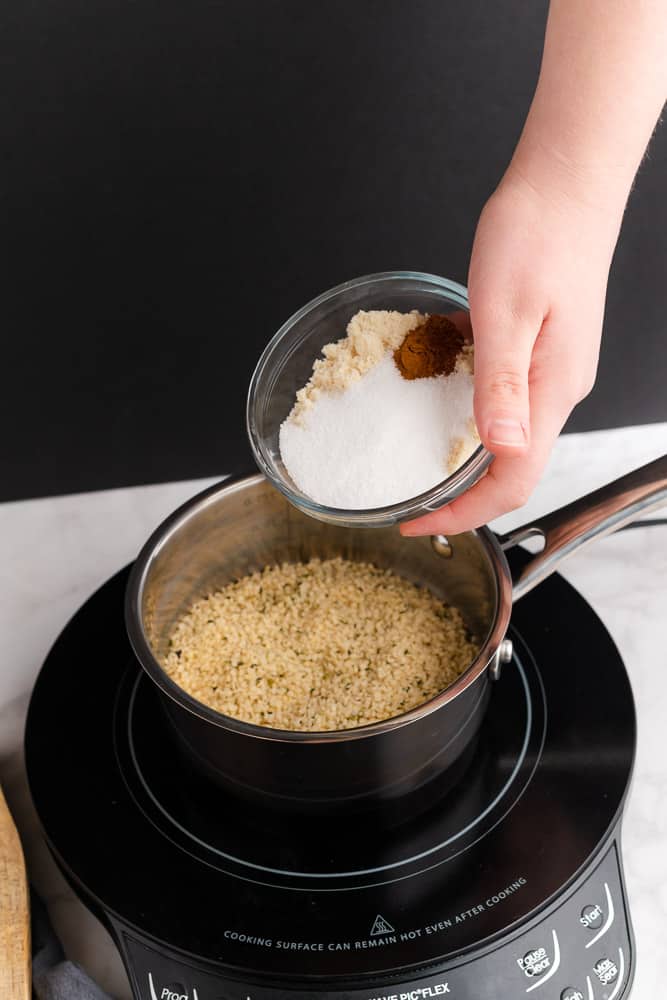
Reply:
x=244, y=524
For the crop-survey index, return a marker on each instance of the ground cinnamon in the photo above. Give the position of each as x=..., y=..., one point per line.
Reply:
x=430, y=349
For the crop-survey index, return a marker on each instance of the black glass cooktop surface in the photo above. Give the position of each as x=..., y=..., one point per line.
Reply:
x=152, y=843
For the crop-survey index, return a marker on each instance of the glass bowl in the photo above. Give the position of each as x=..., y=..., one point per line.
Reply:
x=286, y=365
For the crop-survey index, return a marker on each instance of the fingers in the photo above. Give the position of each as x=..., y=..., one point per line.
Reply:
x=498, y=492
x=461, y=320
x=504, y=341
x=509, y=481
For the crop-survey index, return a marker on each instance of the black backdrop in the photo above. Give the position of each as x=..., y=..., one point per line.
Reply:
x=178, y=177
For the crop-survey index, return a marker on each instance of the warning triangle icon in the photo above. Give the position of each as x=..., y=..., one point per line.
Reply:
x=381, y=926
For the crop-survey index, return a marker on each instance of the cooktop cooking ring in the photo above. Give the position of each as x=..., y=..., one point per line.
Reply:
x=500, y=795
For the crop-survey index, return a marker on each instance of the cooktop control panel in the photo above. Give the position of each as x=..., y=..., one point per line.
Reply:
x=581, y=951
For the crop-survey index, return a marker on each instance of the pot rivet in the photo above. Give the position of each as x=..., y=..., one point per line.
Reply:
x=506, y=651
x=441, y=545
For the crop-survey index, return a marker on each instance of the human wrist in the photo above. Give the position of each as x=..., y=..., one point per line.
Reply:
x=559, y=193
x=584, y=180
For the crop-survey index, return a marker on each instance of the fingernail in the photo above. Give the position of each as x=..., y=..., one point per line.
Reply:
x=511, y=433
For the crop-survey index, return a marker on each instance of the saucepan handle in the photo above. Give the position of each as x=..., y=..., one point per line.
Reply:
x=580, y=522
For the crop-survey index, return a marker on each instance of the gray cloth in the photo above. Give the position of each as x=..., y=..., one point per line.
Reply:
x=53, y=978
x=66, y=981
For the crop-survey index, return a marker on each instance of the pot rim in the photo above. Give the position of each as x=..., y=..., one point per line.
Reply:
x=142, y=649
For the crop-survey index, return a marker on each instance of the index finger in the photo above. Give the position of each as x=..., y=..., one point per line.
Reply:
x=507, y=485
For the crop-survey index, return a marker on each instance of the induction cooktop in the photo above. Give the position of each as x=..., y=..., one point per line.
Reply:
x=510, y=885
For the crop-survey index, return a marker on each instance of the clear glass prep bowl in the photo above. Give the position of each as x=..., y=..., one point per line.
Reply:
x=286, y=365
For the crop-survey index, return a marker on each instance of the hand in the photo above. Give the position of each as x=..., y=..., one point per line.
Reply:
x=537, y=286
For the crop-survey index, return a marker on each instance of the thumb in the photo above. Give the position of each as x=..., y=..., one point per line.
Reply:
x=503, y=351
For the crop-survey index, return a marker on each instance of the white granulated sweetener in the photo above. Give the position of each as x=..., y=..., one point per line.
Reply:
x=361, y=436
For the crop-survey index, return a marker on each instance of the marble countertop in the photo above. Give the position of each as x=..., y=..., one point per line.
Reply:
x=56, y=551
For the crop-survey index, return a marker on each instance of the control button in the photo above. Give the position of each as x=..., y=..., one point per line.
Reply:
x=172, y=991
x=606, y=971
x=591, y=916
x=535, y=962
x=571, y=993
x=538, y=966
x=608, y=922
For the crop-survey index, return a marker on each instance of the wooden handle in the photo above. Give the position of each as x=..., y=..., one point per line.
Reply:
x=15, y=977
